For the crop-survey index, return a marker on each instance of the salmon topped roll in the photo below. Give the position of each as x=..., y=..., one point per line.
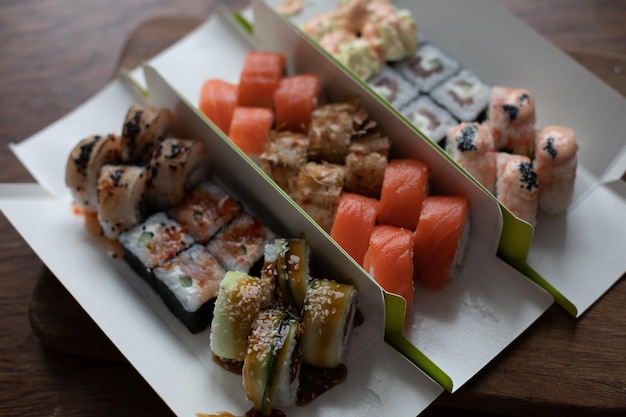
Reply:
x=555, y=163
x=294, y=100
x=259, y=79
x=143, y=129
x=218, y=100
x=405, y=185
x=512, y=120
x=471, y=145
x=516, y=185
x=439, y=240
x=83, y=168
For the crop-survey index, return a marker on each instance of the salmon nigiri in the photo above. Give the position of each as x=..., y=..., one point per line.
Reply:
x=294, y=100
x=354, y=222
x=439, y=239
x=389, y=260
x=250, y=128
x=405, y=185
x=260, y=77
x=218, y=100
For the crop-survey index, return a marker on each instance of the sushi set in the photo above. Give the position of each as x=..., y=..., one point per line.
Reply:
x=248, y=220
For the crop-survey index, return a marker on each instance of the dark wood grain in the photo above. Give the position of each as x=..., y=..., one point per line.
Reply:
x=57, y=53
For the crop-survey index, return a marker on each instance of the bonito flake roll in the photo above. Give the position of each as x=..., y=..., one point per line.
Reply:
x=240, y=299
x=272, y=365
x=327, y=322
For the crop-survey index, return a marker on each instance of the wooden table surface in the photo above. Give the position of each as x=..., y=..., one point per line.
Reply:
x=55, y=54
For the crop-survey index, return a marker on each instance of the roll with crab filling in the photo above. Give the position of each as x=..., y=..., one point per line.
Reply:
x=240, y=299
x=327, y=322
x=272, y=365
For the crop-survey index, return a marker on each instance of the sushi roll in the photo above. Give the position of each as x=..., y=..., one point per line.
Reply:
x=218, y=100
x=354, y=52
x=239, y=300
x=83, y=168
x=318, y=190
x=259, y=79
x=464, y=95
x=151, y=243
x=331, y=131
x=240, y=244
x=470, y=144
x=121, y=203
x=555, y=164
x=389, y=260
x=271, y=367
x=283, y=156
x=394, y=89
x=429, y=118
x=327, y=322
x=293, y=273
x=294, y=100
x=188, y=284
x=428, y=67
x=517, y=187
x=365, y=165
x=405, y=185
x=250, y=128
x=144, y=127
x=439, y=240
x=354, y=222
x=176, y=166
x=205, y=209
x=511, y=116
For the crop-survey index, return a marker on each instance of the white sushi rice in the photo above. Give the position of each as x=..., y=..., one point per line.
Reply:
x=465, y=87
x=436, y=65
x=390, y=85
x=430, y=118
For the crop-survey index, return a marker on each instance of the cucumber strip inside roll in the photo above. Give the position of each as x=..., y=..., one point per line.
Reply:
x=327, y=323
x=271, y=367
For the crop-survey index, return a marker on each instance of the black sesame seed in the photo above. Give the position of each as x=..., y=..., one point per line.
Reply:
x=465, y=142
x=549, y=147
x=511, y=110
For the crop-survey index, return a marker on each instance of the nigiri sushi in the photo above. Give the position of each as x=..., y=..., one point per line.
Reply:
x=517, y=187
x=471, y=146
x=555, y=164
x=439, y=239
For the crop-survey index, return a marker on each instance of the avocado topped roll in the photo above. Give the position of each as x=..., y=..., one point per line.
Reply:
x=239, y=300
x=327, y=322
x=292, y=266
x=272, y=365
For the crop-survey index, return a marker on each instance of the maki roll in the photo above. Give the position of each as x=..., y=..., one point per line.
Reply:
x=439, y=240
x=144, y=127
x=512, y=120
x=327, y=322
x=464, y=95
x=239, y=300
x=555, y=164
x=284, y=154
x=188, y=285
x=271, y=367
x=429, y=118
x=471, y=146
x=517, y=187
x=174, y=168
x=239, y=245
x=153, y=242
x=428, y=67
x=121, y=202
x=292, y=267
x=205, y=210
x=83, y=168
x=365, y=165
x=394, y=89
